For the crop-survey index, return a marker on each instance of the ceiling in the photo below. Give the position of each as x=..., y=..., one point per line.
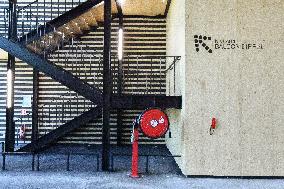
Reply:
x=143, y=7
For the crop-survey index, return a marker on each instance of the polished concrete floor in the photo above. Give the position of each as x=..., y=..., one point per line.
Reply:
x=83, y=172
x=121, y=180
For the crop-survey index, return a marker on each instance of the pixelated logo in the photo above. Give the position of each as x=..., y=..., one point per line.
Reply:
x=200, y=42
x=207, y=43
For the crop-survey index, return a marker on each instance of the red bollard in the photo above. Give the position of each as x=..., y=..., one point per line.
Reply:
x=134, y=173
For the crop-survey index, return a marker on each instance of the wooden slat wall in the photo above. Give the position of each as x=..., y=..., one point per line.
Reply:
x=23, y=86
x=23, y=80
x=142, y=36
x=139, y=40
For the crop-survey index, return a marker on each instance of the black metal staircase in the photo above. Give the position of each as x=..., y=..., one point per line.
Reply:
x=52, y=70
x=34, y=47
x=53, y=136
x=61, y=20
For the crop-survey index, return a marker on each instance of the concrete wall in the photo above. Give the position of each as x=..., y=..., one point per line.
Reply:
x=176, y=47
x=243, y=88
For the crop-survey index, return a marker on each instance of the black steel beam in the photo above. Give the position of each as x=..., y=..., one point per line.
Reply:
x=129, y=102
x=50, y=138
x=107, y=86
x=59, y=21
x=12, y=35
x=35, y=106
x=55, y=72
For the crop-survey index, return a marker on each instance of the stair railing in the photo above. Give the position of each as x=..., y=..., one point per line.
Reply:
x=4, y=21
x=147, y=74
x=173, y=76
x=29, y=16
x=27, y=19
x=59, y=110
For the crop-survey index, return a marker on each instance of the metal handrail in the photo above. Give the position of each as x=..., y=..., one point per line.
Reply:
x=23, y=8
x=39, y=154
x=171, y=66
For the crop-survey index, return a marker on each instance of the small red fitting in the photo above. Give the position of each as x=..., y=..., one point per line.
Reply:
x=213, y=126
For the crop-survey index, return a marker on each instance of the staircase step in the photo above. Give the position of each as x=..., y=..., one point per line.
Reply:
x=89, y=17
x=75, y=25
x=55, y=72
x=59, y=21
x=83, y=25
x=56, y=134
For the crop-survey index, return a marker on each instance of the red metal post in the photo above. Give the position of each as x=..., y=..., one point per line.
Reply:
x=134, y=173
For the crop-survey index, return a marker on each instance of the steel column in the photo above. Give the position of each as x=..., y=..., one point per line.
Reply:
x=119, y=82
x=12, y=35
x=35, y=106
x=107, y=86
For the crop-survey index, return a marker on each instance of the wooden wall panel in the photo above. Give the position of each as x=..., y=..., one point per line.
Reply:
x=23, y=86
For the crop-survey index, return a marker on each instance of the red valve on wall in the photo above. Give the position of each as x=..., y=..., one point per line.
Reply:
x=213, y=126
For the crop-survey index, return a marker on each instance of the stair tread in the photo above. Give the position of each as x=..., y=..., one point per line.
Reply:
x=76, y=27
x=84, y=26
x=90, y=18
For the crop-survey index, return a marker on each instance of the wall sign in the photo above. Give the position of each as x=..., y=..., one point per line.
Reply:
x=209, y=44
x=27, y=101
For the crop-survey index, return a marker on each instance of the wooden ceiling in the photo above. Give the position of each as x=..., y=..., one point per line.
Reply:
x=143, y=7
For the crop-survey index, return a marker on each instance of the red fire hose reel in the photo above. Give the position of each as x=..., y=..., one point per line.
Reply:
x=153, y=123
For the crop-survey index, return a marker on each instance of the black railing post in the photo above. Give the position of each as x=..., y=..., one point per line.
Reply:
x=33, y=161
x=68, y=162
x=3, y=161
x=38, y=159
x=3, y=156
x=107, y=86
x=10, y=125
x=112, y=162
x=147, y=164
x=2, y=147
x=98, y=162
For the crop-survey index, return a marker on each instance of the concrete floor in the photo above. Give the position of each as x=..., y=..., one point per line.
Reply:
x=121, y=180
x=163, y=172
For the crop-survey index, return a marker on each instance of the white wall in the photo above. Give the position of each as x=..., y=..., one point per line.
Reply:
x=242, y=88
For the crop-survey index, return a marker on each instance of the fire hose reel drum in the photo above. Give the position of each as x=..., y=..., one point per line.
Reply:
x=154, y=123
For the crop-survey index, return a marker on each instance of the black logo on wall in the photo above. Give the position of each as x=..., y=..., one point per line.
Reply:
x=203, y=42
x=199, y=40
